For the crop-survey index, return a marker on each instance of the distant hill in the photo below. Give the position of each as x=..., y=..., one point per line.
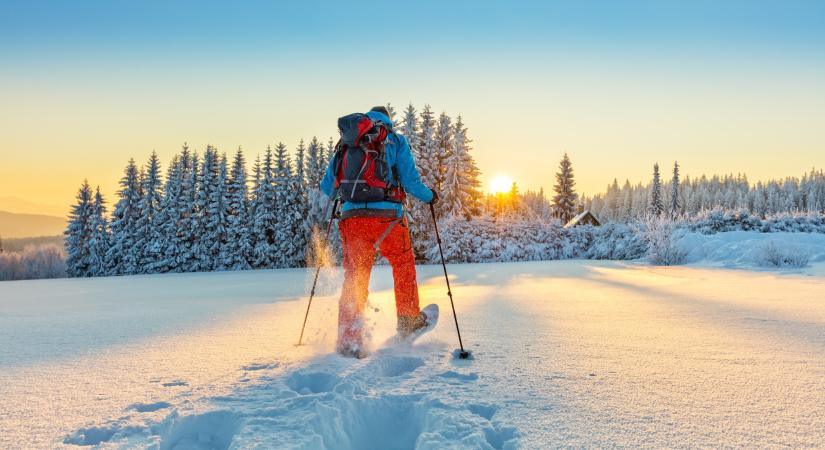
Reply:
x=18, y=244
x=22, y=206
x=14, y=225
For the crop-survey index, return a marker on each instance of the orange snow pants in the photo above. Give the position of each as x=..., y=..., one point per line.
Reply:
x=360, y=237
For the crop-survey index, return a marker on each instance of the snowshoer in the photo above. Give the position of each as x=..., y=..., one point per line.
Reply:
x=372, y=171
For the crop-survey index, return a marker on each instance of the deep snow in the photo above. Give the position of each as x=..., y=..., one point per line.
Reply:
x=581, y=353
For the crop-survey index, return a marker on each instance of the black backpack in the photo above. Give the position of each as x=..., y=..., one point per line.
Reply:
x=360, y=165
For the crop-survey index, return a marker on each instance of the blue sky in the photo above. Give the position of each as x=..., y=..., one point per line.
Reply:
x=722, y=86
x=247, y=28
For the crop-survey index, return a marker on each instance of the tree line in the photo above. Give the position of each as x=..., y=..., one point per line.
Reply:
x=691, y=196
x=671, y=197
x=208, y=213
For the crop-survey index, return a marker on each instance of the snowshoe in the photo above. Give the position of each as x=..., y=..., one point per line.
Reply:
x=411, y=328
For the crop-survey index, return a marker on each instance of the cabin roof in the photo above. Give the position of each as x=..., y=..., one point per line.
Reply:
x=585, y=217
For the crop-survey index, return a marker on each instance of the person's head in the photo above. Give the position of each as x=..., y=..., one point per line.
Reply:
x=382, y=109
x=386, y=114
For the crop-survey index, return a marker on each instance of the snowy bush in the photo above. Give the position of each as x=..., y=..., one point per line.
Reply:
x=661, y=236
x=611, y=241
x=719, y=221
x=770, y=254
x=487, y=239
x=44, y=261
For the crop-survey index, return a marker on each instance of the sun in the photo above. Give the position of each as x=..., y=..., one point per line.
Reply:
x=500, y=183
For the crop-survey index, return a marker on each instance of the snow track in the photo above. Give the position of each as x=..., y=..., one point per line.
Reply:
x=331, y=403
x=335, y=403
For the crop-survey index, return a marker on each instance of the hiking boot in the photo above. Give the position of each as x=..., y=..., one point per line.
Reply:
x=351, y=351
x=407, y=325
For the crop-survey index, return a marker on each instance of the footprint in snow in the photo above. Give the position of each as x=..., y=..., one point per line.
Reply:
x=311, y=382
x=260, y=366
x=485, y=411
x=394, y=366
x=148, y=407
x=472, y=376
x=96, y=435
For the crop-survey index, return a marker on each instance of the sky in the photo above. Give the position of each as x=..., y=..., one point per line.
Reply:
x=722, y=87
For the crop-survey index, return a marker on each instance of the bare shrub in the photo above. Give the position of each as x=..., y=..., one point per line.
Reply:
x=661, y=235
x=770, y=254
x=42, y=261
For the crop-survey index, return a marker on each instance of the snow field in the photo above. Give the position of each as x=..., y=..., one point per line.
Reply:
x=566, y=353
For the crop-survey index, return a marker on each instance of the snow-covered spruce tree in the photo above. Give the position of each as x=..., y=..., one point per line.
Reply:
x=203, y=183
x=315, y=163
x=409, y=127
x=219, y=223
x=166, y=220
x=640, y=201
x=444, y=149
x=256, y=173
x=209, y=224
x=391, y=111
x=303, y=196
x=656, y=203
x=564, y=201
x=425, y=152
x=315, y=168
x=330, y=153
x=238, y=251
x=188, y=258
x=627, y=201
x=148, y=236
x=78, y=234
x=264, y=220
x=536, y=205
x=674, y=192
x=617, y=201
x=290, y=212
x=300, y=161
x=461, y=179
x=99, y=237
x=123, y=257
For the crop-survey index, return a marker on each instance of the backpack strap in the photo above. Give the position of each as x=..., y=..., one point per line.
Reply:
x=386, y=233
x=337, y=163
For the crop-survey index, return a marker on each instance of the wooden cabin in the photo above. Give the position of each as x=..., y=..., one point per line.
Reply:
x=584, y=218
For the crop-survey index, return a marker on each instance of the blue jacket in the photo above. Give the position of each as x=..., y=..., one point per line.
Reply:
x=399, y=159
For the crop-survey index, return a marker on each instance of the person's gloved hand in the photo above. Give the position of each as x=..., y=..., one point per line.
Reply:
x=435, y=197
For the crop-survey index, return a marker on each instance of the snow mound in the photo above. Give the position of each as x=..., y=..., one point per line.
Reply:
x=213, y=429
x=743, y=249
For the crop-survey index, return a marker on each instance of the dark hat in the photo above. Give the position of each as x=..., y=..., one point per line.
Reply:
x=382, y=110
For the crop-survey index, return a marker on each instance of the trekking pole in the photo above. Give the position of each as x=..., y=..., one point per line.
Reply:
x=318, y=270
x=463, y=354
